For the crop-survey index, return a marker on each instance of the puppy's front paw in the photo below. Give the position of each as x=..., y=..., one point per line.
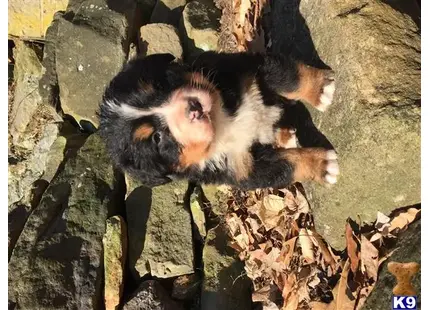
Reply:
x=327, y=88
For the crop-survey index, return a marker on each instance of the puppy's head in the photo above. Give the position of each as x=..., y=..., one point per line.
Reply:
x=159, y=118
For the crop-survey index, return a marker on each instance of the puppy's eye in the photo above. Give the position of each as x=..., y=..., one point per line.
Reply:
x=156, y=137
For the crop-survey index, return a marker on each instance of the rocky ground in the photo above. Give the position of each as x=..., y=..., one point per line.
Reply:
x=84, y=236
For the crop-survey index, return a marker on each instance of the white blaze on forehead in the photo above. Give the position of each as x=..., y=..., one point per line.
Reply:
x=128, y=111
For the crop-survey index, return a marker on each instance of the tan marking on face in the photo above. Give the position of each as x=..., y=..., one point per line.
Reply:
x=311, y=83
x=143, y=132
x=146, y=87
x=308, y=163
x=192, y=154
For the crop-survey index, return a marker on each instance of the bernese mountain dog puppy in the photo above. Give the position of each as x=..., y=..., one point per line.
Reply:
x=221, y=119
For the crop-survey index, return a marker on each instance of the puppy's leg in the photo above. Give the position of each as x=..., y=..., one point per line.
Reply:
x=297, y=81
x=315, y=164
x=296, y=115
x=281, y=167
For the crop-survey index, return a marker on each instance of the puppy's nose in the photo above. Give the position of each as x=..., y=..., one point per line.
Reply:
x=195, y=109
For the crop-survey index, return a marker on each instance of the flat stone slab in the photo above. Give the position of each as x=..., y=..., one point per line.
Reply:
x=160, y=231
x=85, y=64
x=160, y=38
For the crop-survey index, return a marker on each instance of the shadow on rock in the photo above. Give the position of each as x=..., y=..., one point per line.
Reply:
x=290, y=33
x=138, y=205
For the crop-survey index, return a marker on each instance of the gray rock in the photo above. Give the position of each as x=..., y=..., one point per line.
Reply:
x=168, y=11
x=115, y=256
x=199, y=26
x=159, y=230
x=160, y=38
x=27, y=72
x=24, y=186
x=48, y=83
x=85, y=62
x=111, y=19
x=151, y=296
x=225, y=284
x=408, y=250
x=57, y=261
x=374, y=122
x=30, y=178
x=25, y=173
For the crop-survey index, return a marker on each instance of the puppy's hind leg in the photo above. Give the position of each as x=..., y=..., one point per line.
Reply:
x=296, y=81
x=278, y=167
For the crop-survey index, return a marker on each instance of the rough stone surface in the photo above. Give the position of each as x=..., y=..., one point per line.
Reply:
x=26, y=181
x=31, y=18
x=409, y=250
x=27, y=72
x=224, y=286
x=374, y=122
x=115, y=255
x=151, y=296
x=199, y=26
x=160, y=38
x=159, y=230
x=168, y=11
x=111, y=19
x=48, y=84
x=57, y=261
x=86, y=61
x=186, y=287
x=25, y=173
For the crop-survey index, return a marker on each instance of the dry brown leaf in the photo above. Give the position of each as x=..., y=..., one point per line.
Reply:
x=273, y=203
x=244, y=8
x=351, y=247
x=269, y=305
x=341, y=300
x=381, y=220
x=384, y=258
x=288, y=285
x=369, y=258
x=263, y=294
x=404, y=219
x=291, y=303
x=307, y=246
x=288, y=251
x=328, y=258
x=316, y=305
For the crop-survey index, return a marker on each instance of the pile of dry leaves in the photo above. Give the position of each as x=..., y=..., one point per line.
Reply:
x=290, y=264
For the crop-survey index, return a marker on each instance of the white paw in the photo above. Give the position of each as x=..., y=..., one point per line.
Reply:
x=332, y=168
x=326, y=97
